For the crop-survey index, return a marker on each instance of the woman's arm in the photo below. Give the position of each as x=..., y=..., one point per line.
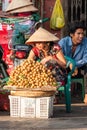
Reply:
x=31, y=55
x=61, y=59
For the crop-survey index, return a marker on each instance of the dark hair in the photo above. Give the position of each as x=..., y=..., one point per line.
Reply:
x=72, y=27
x=51, y=45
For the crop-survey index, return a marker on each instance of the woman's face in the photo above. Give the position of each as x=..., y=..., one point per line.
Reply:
x=46, y=46
x=77, y=37
x=40, y=45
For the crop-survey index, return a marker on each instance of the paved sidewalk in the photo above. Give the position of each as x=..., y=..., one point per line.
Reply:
x=76, y=120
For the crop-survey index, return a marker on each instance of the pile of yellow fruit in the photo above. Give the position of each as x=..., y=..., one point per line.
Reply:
x=31, y=74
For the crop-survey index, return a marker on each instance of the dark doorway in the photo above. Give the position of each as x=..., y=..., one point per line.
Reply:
x=77, y=10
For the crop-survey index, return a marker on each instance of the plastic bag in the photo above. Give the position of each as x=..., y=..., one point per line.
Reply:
x=57, y=19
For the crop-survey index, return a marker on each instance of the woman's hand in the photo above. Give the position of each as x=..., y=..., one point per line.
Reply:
x=44, y=52
x=70, y=66
x=75, y=72
x=43, y=61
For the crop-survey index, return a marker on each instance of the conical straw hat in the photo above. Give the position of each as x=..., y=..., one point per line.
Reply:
x=15, y=4
x=24, y=9
x=41, y=35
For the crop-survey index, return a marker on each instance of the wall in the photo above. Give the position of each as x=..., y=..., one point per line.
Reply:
x=45, y=10
x=48, y=8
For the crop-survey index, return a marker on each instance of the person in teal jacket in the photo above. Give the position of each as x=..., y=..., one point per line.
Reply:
x=75, y=45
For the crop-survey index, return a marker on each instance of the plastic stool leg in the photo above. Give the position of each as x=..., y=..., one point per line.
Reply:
x=83, y=89
x=68, y=99
x=68, y=95
x=81, y=81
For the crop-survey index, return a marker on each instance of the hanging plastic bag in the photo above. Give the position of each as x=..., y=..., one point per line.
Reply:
x=57, y=19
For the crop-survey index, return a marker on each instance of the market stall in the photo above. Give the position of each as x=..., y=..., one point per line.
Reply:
x=26, y=97
x=32, y=90
x=8, y=33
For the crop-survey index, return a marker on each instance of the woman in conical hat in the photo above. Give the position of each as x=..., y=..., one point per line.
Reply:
x=45, y=49
x=49, y=53
x=40, y=39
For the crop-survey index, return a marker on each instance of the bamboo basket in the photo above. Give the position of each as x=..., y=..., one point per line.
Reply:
x=32, y=93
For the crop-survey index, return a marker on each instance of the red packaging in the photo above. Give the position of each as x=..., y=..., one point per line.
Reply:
x=4, y=100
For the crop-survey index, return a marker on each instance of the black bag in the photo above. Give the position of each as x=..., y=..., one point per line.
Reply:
x=1, y=52
x=58, y=72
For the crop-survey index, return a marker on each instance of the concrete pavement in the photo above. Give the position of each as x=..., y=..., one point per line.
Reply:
x=76, y=120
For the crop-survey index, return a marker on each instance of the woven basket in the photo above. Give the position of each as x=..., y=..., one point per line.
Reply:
x=32, y=93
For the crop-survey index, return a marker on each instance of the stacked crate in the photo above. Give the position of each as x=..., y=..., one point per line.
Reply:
x=41, y=107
